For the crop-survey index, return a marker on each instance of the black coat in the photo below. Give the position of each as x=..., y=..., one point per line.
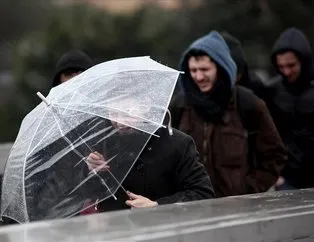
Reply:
x=168, y=171
x=292, y=108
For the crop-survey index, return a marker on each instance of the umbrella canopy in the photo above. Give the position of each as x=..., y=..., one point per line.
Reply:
x=112, y=108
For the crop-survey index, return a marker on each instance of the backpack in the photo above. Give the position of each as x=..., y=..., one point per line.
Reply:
x=246, y=105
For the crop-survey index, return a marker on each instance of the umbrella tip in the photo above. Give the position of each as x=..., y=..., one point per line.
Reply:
x=41, y=96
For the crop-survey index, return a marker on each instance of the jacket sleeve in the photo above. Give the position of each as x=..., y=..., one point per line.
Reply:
x=270, y=153
x=191, y=178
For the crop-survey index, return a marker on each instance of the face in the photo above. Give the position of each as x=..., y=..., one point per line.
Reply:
x=203, y=72
x=64, y=77
x=289, y=65
x=124, y=121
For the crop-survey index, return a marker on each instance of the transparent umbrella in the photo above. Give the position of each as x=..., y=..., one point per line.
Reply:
x=113, y=109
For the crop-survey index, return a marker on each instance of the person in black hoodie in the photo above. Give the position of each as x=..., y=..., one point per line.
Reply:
x=290, y=99
x=245, y=77
x=71, y=64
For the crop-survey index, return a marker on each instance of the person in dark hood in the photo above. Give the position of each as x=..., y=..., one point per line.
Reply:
x=210, y=111
x=71, y=64
x=290, y=98
x=245, y=77
x=292, y=57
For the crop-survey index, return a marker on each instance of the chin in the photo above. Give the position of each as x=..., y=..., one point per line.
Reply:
x=204, y=90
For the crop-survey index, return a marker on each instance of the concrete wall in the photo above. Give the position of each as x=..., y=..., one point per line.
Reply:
x=269, y=217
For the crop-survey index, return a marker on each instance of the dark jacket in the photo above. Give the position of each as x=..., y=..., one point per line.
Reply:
x=292, y=108
x=223, y=145
x=168, y=171
x=248, y=79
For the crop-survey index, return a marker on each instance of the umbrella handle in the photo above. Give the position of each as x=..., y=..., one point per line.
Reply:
x=170, y=130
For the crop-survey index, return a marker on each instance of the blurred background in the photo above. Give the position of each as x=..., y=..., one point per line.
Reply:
x=35, y=33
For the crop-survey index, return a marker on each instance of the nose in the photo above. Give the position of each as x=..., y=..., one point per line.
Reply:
x=199, y=75
x=286, y=71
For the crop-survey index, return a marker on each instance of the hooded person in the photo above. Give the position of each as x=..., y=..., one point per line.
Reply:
x=71, y=64
x=245, y=78
x=290, y=99
x=209, y=111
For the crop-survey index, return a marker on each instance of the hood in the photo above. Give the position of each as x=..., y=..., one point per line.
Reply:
x=294, y=40
x=210, y=106
x=73, y=59
x=236, y=50
x=216, y=48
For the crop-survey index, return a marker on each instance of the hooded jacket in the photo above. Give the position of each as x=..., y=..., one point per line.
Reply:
x=248, y=79
x=210, y=106
x=223, y=144
x=217, y=49
x=294, y=40
x=292, y=108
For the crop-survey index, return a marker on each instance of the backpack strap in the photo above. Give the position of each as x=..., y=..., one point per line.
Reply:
x=246, y=104
x=176, y=109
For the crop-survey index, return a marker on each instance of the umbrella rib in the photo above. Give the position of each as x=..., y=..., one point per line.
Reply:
x=46, y=134
x=32, y=121
x=92, y=173
x=67, y=139
x=100, y=132
x=81, y=155
x=74, y=93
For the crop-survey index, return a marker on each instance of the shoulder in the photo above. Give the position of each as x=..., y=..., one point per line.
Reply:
x=250, y=103
x=180, y=139
x=246, y=99
x=177, y=134
x=178, y=101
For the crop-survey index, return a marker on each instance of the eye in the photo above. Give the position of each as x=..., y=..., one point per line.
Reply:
x=205, y=69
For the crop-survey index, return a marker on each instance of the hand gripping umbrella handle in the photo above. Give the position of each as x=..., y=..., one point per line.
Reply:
x=42, y=97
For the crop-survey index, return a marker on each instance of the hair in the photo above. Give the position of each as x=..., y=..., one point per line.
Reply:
x=196, y=54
